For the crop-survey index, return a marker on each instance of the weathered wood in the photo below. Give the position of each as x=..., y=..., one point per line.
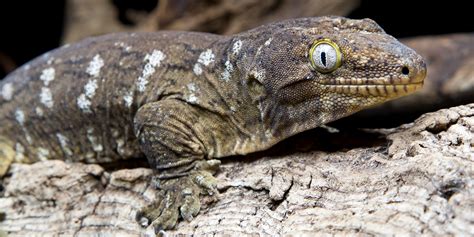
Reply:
x=419, y=181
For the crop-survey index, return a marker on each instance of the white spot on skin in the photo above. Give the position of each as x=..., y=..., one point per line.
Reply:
x=96, y=146
x=268, y=42
x=120, y=146
x=47, y=75
x=83, y=103
x=90, y=88
x=19, y=152
x=28, y=137
x=120, y=141
x=261, y=109
x=128, y=99
x=259, y=50
x=229, y=68
x=84, y=100
x=123, y=45
x=192, y=98
x=206, y=57
x=42, y=153
x=39, y=111
x=153, y=60
x=236, y=47
x=197, y=69
x=63, y=142
x=20, y=116
x=7, y=91
x=46, y=97
x=268, y=134
x=191, y=87
x=95, y=65
x=115, y=132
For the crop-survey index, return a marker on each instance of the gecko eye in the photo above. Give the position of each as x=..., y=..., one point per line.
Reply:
x=325, y=56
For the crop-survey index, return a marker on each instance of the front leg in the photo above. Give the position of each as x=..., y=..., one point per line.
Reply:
x=173, y=136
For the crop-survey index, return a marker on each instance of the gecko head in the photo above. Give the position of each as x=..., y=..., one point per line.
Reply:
x=317, y=70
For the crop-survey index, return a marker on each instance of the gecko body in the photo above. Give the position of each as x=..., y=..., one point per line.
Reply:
x=185, y=99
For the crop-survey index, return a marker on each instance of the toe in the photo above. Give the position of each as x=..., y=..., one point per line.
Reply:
x=207, y=182
x=191, y=206
x=166, y=221
x=169, y=214
x=150, y=213
x=208, y=165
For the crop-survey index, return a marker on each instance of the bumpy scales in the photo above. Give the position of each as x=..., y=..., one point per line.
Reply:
x=186, y=99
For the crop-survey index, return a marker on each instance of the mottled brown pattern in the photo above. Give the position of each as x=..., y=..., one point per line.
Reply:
x=184, y=99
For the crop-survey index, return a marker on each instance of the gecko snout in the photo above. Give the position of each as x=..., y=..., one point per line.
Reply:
x=413, y=74
x=415, y=71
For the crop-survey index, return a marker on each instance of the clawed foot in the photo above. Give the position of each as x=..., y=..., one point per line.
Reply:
x=179, y=197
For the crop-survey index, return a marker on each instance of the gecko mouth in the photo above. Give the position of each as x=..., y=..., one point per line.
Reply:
x=385, y=90
x=385, y=86
x=389, y=87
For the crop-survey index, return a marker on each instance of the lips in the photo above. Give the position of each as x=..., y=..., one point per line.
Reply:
x=389, y=87
x=387, y=90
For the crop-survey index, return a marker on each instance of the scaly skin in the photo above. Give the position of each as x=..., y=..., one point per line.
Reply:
x=185, y=99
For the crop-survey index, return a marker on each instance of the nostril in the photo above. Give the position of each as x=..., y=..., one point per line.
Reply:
x=405, y=70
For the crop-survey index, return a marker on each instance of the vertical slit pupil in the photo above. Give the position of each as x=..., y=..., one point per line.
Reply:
x=323, y=58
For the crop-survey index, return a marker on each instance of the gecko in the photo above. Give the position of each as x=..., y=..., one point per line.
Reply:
x=184, y=100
